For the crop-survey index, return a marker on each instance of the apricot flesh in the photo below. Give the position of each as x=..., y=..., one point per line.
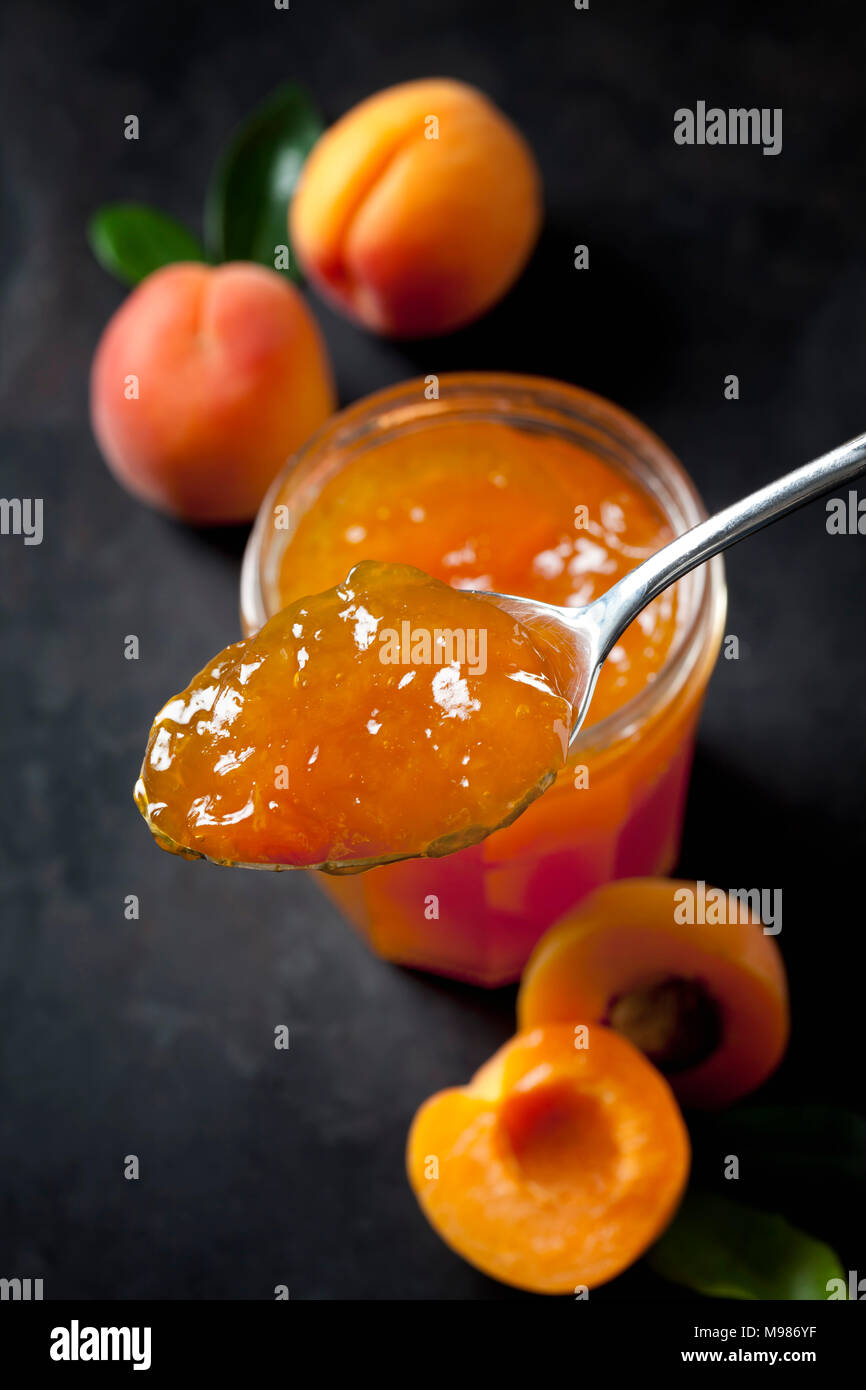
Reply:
x=706, y=1001
x=204, y=382
x=558, y=1165
x=339, y=736
x=418, y=209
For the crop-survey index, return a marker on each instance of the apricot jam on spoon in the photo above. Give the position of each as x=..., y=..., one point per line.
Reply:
x=388, y=718
x=394, y=717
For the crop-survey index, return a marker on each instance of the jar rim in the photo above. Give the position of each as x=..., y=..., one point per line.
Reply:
x=389, y=408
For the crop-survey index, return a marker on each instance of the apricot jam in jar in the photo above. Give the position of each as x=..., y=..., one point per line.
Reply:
x=531, y=487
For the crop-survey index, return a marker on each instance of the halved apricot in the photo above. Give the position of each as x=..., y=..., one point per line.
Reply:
x=706, y=1001
x=555, y=1168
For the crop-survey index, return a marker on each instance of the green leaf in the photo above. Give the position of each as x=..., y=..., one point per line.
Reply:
x=130, y=240
x=248, y=199
x=727, y=1250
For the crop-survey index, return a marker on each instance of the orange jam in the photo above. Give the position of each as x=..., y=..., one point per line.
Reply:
x=483, y=506
x=389, y=717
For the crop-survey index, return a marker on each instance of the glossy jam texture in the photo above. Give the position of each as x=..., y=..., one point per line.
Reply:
x=484, y=505
x=389, y=717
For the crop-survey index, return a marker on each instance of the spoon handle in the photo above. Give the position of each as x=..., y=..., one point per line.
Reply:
x=615, y=610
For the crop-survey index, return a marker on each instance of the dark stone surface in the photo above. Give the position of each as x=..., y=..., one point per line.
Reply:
x=155, y=1038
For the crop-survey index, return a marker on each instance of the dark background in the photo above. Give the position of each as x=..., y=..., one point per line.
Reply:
x=156, y=1037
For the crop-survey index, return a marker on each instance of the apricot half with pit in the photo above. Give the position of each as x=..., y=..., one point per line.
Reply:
x=707, y=1001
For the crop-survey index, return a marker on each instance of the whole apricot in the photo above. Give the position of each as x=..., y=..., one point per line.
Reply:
x=204, y=382
x=418, y=209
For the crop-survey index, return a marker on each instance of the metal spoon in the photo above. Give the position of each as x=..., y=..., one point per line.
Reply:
x=577, y=641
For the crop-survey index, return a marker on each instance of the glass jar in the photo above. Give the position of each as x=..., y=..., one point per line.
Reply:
x=616, y=808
